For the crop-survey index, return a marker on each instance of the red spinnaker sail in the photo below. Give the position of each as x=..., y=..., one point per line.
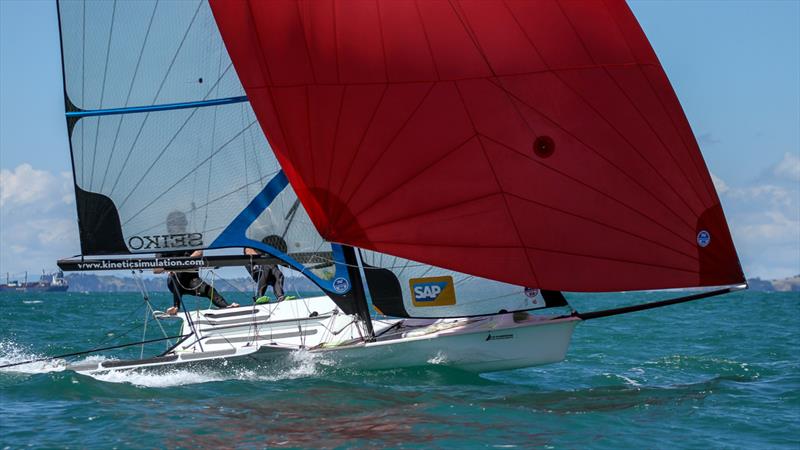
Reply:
x=533, y=142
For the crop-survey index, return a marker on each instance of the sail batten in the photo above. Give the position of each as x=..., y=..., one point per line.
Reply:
x=164, y=107
x=537, y=143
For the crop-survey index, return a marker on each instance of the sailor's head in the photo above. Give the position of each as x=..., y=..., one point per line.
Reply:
x=276, y=242
x=176, y=222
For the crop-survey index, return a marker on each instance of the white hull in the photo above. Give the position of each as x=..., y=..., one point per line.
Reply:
x=271, y=332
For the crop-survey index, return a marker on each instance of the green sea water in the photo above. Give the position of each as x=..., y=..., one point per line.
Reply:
x=717, y=373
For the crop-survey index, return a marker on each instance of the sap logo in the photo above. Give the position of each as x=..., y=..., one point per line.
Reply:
x=432, y=291
x=428, y=292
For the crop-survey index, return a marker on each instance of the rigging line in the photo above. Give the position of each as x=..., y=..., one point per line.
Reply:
x=290, y=217
x=177, y=182
x=94, y=350
x=146, y=296
x=128, y=96
x=102, y=91
x=651, y=305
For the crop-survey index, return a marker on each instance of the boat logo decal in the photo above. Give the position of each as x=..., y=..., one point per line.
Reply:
x=497, y=337
x=531, y=292
x=341, y=285
x=182, y=240
x=432, y=291
x=703, y=238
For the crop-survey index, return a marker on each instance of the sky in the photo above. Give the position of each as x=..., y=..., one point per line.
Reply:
x=735, y=66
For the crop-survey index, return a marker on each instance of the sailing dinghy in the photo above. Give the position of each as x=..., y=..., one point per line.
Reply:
x=455, y=164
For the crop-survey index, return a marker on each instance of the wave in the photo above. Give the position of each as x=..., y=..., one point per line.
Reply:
x=299, y=364
x=12, y=352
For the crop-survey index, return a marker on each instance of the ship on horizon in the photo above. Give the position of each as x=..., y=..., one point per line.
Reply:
x=48, y=282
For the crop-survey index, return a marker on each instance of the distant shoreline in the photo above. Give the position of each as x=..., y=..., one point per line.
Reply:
x=82, y=282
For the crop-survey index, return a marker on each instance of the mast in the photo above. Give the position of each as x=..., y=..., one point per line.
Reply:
x=359, y=296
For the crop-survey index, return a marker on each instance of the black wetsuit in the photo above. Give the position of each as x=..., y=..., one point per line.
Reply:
x=189, y=282
x=267, y=275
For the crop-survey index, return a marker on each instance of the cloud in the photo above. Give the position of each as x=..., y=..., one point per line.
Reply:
x=28, y=186
x=788, y=168
x=38, y=221
x=773, y=226
x=719, y=184
x=708, y=139
x=764, y=216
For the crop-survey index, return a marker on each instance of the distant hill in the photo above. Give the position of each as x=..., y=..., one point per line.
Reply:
x=790, y=284
x=80, y=282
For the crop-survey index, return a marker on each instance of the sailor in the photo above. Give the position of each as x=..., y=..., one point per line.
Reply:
x=267, y=274
x=188, y=281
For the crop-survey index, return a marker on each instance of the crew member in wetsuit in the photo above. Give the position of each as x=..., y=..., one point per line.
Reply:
x=267, y=274
x=188, y=281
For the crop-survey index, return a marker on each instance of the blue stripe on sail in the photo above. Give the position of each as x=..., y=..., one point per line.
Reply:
x=165, y=107
x=235, y=235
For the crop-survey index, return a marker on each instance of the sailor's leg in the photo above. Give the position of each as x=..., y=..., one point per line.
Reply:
x=204, y=290
x=276, y=276
x=262, y=281
x=173, y=287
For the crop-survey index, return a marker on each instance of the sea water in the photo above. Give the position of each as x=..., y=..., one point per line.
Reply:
x=716, y=373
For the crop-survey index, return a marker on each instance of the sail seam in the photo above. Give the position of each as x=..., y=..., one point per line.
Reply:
x=190, y=172
x=342, y=95
x=497, y=182
x=595, y=189
x=416, y=175
x=674, y=126
x=102, y=92
x=620, y=134
x=466, y=78
x=605, y=69
x=128, y=96
x=388, y=144
x=593, y=150
x=529, y=247
x=664, y=145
